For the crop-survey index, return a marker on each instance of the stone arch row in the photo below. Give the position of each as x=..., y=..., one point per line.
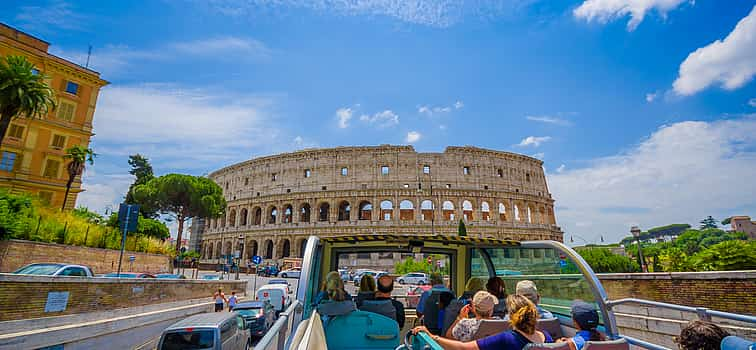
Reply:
x=266, y=248
x=387, y=210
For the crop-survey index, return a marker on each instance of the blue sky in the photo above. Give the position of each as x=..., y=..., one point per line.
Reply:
x=644, y=114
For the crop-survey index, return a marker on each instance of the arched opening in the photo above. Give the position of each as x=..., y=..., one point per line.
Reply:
x=285, y=248
x=232, y=218
x=426, y=210
x=218, y=250
x=366, y=210
x=447, y=209
x=302, y=246
x=257, y=217
x=227, y=249
x=530, y=215
x=387, y=210
x=209, y=254
x=272, y=215
x=287, y=214
x=344, y=211
x=243, y=217
x=502, y=212
x=223, y=221
x=406, y=211
x=485, y=211
x=268, y=249
x=304, y=213
x=467, y=210
x=323, y=212
x=516, y=213
x=251, y=249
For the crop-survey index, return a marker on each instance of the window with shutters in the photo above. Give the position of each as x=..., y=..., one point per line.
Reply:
x=8, y=161
x=16, y=131
x=66, y=111
x=51, y=168
x=58, y=142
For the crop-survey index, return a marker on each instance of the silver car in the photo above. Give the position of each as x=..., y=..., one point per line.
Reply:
x=55, y=269
x=211, y=331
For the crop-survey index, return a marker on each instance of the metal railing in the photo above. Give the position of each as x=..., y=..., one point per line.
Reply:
x=703, y=313
x=276, y=337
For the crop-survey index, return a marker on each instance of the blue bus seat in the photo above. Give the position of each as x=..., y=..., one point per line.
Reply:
x=361, y=330
x=491, y=327
x=551, y=325
x=618, y=344
x=734, y=342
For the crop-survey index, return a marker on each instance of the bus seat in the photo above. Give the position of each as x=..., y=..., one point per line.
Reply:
x=361, y=330
x=618, y=344
x=550, y=325
x=548, y=346
x=491, y=327
x=309, y=335
x=734, y=342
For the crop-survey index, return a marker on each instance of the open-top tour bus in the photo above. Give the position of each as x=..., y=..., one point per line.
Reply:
x=560, y=274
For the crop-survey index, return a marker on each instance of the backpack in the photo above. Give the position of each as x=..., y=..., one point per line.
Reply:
x=434, y=308
x=382, y=307
x=452, y=311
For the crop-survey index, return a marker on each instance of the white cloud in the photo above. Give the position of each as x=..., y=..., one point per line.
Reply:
x=343, y=115
x=680, y=174
x=548, y=119
x=431, y=110
x=458, y=105
x=101, y=192
x=56, y=14
x=413, y=136
x=433, y=13
x=560, y=168
x=383, y=119
x=752, y=102
x=651, y=96
x=730, y=62
x=604, y=11
x=243, y=47
x=539, y=155
x=534, y=141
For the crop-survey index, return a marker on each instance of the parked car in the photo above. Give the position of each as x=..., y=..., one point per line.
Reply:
x=170, y=275
x=129, y=275
x=358, y=276
x=277, y=294
x=216, y=331
x=345, y=275
x=413, y=295
x=210, y=277
x=258, y=315
x=291, y=273
x=54, y=269
x=279, y=281
x=413, y=278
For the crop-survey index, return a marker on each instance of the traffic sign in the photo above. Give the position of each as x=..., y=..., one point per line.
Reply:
x=128, y=217
x=257, y=259
x=132, y=258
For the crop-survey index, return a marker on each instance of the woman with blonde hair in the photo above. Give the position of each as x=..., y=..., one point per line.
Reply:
x=333, y=300
x=524, y=317
x=367, y=288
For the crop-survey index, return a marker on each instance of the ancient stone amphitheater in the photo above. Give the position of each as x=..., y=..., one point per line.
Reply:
x=276, y=202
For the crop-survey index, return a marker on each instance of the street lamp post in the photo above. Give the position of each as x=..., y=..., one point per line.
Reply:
x=636, y=233
x=241, y=250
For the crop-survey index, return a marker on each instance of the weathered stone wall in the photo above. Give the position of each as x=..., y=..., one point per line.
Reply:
x=25, y=297
x=16, y=253
x=276, y=202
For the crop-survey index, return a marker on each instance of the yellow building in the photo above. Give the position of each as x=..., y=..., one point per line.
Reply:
x=31, y=155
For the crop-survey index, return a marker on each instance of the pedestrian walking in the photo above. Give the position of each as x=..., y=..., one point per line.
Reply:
x=220, y=298
x=232, y=301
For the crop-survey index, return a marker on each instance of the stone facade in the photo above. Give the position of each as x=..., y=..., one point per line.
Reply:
x=276, y=202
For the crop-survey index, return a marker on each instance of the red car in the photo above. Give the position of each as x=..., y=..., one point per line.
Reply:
x=413, y=295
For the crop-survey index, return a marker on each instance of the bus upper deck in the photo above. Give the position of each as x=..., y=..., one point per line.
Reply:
x=561, y=275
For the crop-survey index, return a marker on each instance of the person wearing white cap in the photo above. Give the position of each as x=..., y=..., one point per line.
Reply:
x=464, y=328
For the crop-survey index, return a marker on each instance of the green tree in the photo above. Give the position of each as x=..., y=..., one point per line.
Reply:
x=727, y=221
x=604, y=261
x=462, y=230
x=726, y=256
x=79, y=156
x=709, y=222
x=86, y=214
x=145, y=226
x=182, y=197
x=142, y=170
x=23, y=93
x=409, y=264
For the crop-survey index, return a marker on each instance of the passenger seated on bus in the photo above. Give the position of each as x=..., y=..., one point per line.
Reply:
x=336, y=301
x=473, y=285
x=586, y=319
x=465, y=328
x=433, y=302
x=496, y=286
x=524, y=318
x=367, y=289
x=331, y=277
x=700, y=335
x=528, y=289
x=383, y=304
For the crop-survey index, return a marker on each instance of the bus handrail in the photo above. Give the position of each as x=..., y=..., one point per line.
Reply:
x=703, y=313
x=644, y=344
x=277, y=336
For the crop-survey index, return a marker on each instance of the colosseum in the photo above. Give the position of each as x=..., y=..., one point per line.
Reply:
x=276, y=202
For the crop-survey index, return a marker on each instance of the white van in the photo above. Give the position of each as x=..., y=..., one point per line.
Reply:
x=276, y=294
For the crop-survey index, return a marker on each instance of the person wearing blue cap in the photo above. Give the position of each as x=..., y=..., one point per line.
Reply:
x=586, y=319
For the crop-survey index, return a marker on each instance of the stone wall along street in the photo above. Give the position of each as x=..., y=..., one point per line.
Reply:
x=26, y=297
x=16, y=253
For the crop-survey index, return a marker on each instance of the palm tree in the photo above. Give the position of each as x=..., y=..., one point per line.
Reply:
x=79, y=155
x=23, y=92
